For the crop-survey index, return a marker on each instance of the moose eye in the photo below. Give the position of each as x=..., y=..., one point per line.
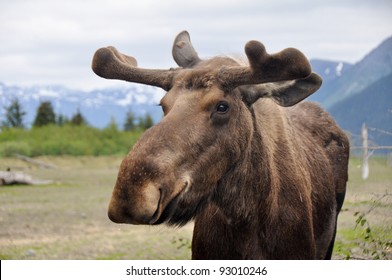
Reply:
x=164, y=108
x=222, y=107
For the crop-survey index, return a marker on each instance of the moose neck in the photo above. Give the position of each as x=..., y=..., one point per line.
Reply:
x=257, y=182
x=265, y=192
x=247, y=184
x=269, y=187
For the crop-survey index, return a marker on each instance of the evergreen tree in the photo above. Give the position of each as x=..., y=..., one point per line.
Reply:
x=13, y=115
x=112, y=125
x=45, y=114
x=129, y=121
x=62, y=120
x=78, y=119
x=146, y=122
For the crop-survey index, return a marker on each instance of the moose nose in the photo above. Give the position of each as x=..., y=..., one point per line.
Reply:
x=134, y=206
x=115, y=215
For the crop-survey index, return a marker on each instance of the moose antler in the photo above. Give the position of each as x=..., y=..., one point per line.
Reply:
x=289, y=64
x=183, y=52
x=111, y=64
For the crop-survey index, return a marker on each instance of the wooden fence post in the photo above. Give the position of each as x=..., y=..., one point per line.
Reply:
x=365, y=154
x=389, y=159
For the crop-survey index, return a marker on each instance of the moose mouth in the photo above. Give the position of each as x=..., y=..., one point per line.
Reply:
x=162, y=215
x=179, y=210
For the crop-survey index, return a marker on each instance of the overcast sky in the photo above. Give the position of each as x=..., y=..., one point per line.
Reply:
x=52, y=42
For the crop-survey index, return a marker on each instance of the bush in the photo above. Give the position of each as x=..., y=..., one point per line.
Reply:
x=9, y=149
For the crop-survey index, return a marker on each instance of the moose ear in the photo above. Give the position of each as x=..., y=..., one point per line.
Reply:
x=286, y=93
x=183, y=52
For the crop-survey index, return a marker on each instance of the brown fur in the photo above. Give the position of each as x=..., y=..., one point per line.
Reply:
x=303, y=167
x=261, y=181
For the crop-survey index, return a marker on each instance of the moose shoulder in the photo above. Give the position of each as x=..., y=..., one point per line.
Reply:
x=262, y=174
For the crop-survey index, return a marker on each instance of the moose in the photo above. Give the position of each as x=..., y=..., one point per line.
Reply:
x=262, y=174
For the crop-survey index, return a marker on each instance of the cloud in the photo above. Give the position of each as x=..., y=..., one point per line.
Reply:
x=50, y=41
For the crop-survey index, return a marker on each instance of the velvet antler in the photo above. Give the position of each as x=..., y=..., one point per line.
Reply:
x=183, y=52
x=110, y=64
x=289, y=64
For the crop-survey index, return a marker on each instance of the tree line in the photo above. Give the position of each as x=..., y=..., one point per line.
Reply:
x=45, y=115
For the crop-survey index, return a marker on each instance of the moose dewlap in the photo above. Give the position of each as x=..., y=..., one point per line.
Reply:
x=262, y=174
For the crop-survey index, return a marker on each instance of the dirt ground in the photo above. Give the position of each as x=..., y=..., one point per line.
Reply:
x=66, y=218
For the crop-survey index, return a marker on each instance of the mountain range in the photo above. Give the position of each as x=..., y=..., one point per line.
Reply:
x=353, y=93
x=359, y=93
x=99, y=107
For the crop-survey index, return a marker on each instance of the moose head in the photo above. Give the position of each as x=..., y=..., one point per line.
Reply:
x=175, y=168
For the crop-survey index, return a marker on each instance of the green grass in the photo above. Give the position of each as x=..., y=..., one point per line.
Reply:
x=372, y=199
x=66, y=140
x=356, y=243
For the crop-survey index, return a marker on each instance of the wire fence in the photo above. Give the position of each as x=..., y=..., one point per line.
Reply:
x=368, y=150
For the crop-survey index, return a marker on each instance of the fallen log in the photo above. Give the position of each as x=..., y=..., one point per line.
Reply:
x=15, y=178
x=36, y=162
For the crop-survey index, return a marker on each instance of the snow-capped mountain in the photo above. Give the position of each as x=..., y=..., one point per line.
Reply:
x=353, y=78
x=97, y=106
x=330, y=70
x=362, y=93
